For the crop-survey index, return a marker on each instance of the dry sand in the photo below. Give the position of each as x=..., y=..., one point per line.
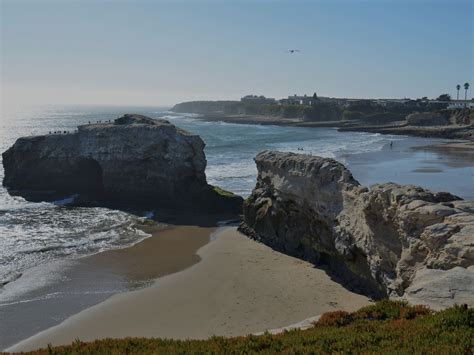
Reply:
x=239, y=287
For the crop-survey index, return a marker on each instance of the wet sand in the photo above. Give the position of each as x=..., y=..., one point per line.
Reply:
x=454, y=154
x=87, y=281
x=166, y=252
x=239, y=287
x=433, y=164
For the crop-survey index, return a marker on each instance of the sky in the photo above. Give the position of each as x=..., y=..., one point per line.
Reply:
x=162, y=52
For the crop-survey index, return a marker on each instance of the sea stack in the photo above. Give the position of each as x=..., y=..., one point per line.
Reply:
x=134, y=161
x=397, y=241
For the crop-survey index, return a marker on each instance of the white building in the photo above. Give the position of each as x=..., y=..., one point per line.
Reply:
x=301, y=100
x=458, y=104
x=255, y=99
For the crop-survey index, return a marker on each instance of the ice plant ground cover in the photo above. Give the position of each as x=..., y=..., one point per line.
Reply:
x=378, y=328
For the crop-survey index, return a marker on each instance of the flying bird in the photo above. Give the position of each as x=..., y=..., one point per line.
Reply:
x=292, y=51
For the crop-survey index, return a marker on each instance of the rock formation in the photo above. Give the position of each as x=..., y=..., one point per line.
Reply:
x=427, y=119
x=390, y=240
x=440, y=118
x=134, y=160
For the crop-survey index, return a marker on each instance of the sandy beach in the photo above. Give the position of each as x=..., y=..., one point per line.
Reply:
x=239, y=287
x=87, y=281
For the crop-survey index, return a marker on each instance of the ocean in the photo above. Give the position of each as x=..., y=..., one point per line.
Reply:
x=33, y=234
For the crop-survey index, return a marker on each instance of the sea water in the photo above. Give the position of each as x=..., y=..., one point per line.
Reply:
x=33, y=234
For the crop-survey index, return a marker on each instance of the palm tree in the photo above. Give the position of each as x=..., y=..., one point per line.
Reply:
x=466, y=87
x=458, y=87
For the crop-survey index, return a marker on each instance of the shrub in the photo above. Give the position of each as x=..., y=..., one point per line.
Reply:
x=363, y=106
x=292, y=111
x=323, y=112
x=384, y=327
x=412, y=312
x=381, y=310
x=390, y=310
x=270, y=110
x=352, y=115
x=455, y=318
x=334, y=319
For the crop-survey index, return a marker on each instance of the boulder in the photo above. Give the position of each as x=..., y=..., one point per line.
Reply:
x=377, y=241
x=133, y=161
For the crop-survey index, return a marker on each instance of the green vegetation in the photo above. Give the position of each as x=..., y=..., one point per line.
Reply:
x=352, y=115
x=385, y=327
x=444, y=97
x=292, y=111
x=223, y=192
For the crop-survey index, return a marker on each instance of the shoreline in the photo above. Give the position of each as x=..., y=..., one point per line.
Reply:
x=431, y=164
x=465, y=133
x=84, y=282
x=239, y=287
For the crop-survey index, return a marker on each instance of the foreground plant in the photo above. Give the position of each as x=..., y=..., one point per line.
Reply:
x=386, y=326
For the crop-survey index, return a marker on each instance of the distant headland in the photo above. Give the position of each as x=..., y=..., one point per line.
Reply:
x=440, y=117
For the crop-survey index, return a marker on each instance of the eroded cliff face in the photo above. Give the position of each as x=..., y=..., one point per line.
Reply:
x=382, y=241
x=133, y=160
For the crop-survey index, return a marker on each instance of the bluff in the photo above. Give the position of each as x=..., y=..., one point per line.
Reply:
x=207, y=107
x=390, y=240
x=133, y=161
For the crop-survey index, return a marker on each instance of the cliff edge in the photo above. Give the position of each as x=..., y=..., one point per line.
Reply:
x=390, y=240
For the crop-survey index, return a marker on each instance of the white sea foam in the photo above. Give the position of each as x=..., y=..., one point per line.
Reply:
x=65, y=201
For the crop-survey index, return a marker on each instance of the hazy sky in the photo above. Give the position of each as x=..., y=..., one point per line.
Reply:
x=163, y=52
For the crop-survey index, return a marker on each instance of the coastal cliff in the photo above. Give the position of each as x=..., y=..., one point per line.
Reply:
x=206, y=107
x=134, y=160
x=390, y=240
x=413, y=120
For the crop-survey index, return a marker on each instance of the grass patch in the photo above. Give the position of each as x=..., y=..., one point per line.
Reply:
x=385, y=327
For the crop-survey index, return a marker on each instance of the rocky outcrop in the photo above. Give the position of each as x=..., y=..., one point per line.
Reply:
x=440, y=289
x=134, y=160
x=460, y=117
x=427, y=119
x=379, y=241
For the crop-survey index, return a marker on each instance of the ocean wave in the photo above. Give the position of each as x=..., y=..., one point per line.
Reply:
x=65, y=201
x=10, y=278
